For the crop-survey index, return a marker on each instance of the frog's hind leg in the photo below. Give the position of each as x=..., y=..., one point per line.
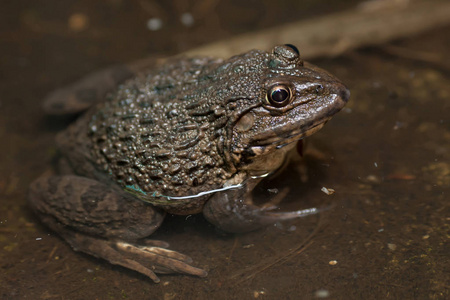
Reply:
x=86, y=92
x=132, y=256
x=91, y=89
x=102, y=221
x=233, y=210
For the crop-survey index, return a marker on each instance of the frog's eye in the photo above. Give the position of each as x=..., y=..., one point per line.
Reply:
x=279, y=95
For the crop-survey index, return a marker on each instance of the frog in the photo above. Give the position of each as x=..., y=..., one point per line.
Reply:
x=187, y=136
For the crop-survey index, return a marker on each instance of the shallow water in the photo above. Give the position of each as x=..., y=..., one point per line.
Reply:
x=383, y=234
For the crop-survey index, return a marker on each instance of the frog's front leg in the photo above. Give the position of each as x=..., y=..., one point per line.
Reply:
x=233, y=210
x=101, y=220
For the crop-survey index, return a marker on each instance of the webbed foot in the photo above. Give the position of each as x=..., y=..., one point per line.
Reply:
x=148, y=258
x=234, y=211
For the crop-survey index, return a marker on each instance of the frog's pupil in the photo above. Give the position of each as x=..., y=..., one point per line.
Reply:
x=280, y=95
x=293, y=48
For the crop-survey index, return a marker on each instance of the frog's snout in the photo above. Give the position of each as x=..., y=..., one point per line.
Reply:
x=343, y=92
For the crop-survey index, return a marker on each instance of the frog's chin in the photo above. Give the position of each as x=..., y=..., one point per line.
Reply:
x=285, y=141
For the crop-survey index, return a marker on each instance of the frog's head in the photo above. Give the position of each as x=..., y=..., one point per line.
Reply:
x=294, y=99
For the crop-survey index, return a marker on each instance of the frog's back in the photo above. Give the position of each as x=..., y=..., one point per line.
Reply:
x=163, y=131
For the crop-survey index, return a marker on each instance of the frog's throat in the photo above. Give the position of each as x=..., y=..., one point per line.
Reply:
x=264, y=147
x=279, y=142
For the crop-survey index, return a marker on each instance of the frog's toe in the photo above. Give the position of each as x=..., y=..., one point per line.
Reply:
x=162, y=260
x=147, y=260
x=107, y=250
x=231, y=214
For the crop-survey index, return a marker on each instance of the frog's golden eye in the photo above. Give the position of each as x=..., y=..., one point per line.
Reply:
x=279, y=95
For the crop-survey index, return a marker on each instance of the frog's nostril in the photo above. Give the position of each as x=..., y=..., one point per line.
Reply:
x=319, y=89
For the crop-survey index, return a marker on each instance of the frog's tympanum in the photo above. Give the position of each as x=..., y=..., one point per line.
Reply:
x=192, y=135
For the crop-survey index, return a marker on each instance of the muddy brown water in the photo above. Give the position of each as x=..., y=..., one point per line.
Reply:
x=382, y=235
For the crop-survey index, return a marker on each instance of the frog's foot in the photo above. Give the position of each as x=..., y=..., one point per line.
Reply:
x=231, y=213
x=97, y=219
x=148, y=258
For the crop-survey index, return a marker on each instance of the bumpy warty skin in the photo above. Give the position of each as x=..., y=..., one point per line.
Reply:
x=172, y=131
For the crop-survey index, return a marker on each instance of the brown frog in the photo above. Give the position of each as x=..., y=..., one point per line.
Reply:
x=191, y=135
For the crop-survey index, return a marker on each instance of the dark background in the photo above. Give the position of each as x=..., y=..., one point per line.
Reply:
x=386, y=155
